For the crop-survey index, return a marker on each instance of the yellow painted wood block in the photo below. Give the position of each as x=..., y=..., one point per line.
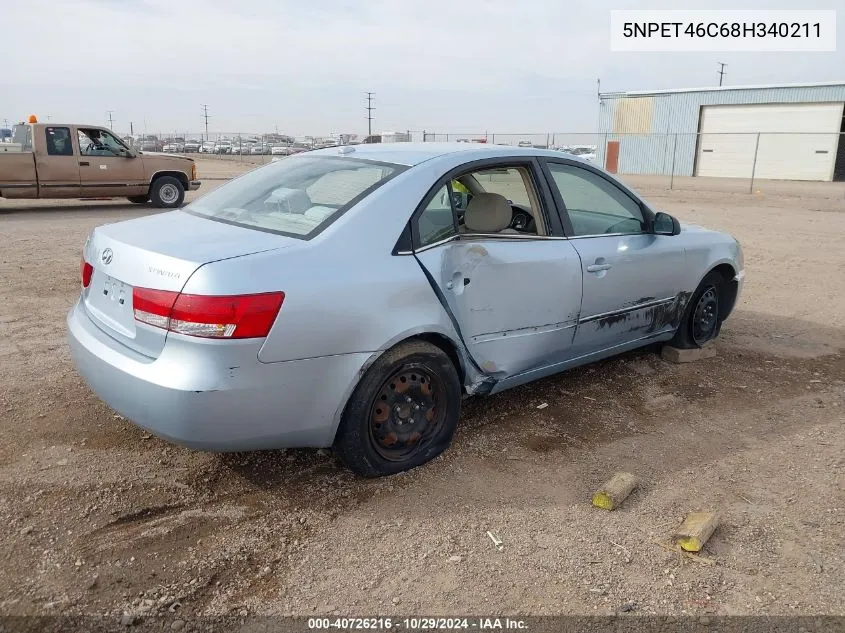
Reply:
x=615, y=491
x=695, y=530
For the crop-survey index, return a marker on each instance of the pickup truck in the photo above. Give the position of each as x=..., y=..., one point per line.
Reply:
x=54, y=160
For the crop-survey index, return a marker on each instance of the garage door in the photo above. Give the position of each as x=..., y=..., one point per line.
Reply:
x=798, y=141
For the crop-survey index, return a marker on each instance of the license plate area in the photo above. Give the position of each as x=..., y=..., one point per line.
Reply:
x=110, y=301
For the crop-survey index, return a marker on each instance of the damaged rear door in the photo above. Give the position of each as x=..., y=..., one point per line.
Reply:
x=514, y=298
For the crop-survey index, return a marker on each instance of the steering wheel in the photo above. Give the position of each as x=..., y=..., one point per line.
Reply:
x=522, y=221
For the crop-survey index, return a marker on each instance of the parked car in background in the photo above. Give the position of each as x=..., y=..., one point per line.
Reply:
x=281, y=150
x=585, y=152
x=150, y=144
x=207, y=147
x=223, y=147
x=192, y=146
x=239, y=304
x=525, y=144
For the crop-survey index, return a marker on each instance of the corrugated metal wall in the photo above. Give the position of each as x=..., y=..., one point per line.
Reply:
x=652, y=128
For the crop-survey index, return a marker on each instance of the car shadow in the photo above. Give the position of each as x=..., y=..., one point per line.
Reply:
x=760, y=357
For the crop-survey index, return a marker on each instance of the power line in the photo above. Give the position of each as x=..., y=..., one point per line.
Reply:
x=370, y=109
x=721, y=71
x=111, y=120
x=205, y=115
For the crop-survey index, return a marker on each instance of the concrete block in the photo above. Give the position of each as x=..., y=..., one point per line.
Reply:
x=676, y=355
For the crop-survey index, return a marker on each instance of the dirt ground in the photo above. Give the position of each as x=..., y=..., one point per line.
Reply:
x=99, y=517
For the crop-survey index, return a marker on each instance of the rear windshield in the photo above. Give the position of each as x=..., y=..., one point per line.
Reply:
x=296, y=196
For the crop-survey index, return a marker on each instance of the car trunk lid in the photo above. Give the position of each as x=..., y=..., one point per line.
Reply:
x=158, y=252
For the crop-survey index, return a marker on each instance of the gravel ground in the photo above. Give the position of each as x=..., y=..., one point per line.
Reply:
x=99, y=517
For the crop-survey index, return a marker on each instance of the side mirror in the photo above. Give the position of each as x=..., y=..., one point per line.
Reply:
x=665, y=224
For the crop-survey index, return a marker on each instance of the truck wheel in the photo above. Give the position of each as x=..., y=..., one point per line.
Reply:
x=138, y=199
x=403, y=412
x=167, y=192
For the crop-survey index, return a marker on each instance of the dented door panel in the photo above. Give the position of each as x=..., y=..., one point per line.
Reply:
x=515, y=302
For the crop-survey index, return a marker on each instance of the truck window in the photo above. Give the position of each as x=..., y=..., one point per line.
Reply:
x=93, y=142
x=58, y=141
x=22, y=134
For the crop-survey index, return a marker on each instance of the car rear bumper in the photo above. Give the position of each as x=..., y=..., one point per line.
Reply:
x=195, y=184
x=214, y=395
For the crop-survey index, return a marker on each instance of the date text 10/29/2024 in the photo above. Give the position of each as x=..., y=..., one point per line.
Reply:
x=416, y=624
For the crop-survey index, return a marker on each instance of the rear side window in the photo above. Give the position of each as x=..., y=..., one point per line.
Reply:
x=437, y=222
x=297, y=197
x=58, y=141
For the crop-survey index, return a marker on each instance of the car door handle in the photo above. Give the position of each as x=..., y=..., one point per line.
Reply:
x=457, y=280
x=84, y=163
x=595, y=268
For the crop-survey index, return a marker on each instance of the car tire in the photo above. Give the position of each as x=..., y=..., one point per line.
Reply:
x=167, y=192
x=138, y=199
x=402, y=414
x=702, y=322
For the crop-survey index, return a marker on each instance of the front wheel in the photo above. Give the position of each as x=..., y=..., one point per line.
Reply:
x=402, y=414
x=167, y=192
x=702, y=318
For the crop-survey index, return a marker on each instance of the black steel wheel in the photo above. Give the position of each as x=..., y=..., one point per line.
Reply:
x=705, y=316
x=406, y=412
x=702, y=319
x=403, y=412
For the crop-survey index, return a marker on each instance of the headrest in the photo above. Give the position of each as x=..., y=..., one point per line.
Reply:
x=488, y=213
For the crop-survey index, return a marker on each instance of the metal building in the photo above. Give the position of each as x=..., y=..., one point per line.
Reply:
x=790, y=131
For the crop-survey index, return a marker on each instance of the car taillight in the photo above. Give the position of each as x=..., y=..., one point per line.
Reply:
x=85, y=270
x=235, y=316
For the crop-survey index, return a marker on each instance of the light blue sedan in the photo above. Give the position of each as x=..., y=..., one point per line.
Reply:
x=350, y=297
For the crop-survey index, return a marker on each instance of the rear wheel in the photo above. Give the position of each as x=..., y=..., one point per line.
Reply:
x=402, y=414
x=167, y=192
x=138, y=199
x=702, y=322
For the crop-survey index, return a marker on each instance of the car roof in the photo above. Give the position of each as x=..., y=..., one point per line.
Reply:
x=404, y=153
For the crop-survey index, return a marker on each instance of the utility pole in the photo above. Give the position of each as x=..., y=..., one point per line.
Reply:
x=721, y=71
x=370, y=109
x=131, y=129
x=111, y=120
x=205, y=115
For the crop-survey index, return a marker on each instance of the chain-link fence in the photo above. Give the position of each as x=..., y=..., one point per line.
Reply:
x=729, y=162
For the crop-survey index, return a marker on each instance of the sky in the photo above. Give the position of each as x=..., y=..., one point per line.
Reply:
x=303, y=66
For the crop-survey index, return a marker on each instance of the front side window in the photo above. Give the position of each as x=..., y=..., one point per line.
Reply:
x=94, y=142
x=594, y=204
x=296, y=197
x=58, y=141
